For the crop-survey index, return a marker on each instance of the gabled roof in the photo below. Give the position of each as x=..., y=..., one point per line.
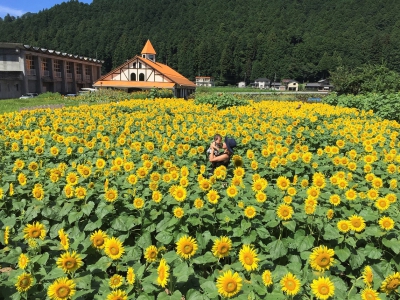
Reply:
x=165, y=70
x=133, y=84
x=148, y=48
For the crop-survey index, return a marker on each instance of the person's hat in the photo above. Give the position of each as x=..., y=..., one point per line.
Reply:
x=230, y=144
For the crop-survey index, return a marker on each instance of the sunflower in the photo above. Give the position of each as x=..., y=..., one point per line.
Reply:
x=130, y=276
x=180, y=193
x=163, y=273
x=205, y=184
x=284, y=212
x=38, y=192
x=213, y=196
x=250, y=212
x=382, y=204
x=23, y=261
x=111, y=195
x=267, y=278
x=290, y=284
x=313, y=192
x=72, y=178
x=322, y=288
x=117, y=295
x=231, y=191
x=330, y=213
x=61, y=289
x=248, y=258
x=98, y=239
x=351, y=194
x=64, y=240
x=391, y=197
x=150, y=254
x=377, y=183
x=132, y=179
x=69, y=191
x=80, y=192
x=24, y=282
x=261, y=197
x=34, y=231
x=6, y=234
x=283, y=183
x=321, y=258
x=116, y=281
x=239, y=171
x=178, y=212
x=334, y=199
x=343, y=225
x=386, y=223
x=368, y=276
x=391, y=283
x=221, y=247
x=372, y=194
x=69, y=262
x=138, y=203
x=369, y=294
x=357, y=223
x=186, y=246
x=198, y=203
x=229, y=284
x=113, y=248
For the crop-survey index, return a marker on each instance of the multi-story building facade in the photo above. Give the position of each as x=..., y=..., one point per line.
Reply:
x=205, y=81
x=26, y=69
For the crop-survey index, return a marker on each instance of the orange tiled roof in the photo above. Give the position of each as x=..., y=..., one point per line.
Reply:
x=148, y=48
x=133, y=84
x=168, y=72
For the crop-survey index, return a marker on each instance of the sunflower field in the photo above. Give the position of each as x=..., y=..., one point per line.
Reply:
x=116, y=201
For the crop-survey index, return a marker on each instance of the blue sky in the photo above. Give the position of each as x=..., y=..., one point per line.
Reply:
x=17, y=8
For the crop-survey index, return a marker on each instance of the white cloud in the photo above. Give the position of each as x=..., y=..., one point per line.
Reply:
x=4, y=10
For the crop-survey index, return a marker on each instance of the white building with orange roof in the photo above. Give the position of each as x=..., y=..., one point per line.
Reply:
x=144, y=73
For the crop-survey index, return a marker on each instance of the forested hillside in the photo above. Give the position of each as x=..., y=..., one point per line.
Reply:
x=231, y=40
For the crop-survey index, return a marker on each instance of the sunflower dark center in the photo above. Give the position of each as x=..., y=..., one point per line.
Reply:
x=63, y=292
x=231, y=286
x=187, y=249
x=114, y=250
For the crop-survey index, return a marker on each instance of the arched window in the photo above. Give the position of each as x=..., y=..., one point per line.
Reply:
x=141, y=77
x=133, y=77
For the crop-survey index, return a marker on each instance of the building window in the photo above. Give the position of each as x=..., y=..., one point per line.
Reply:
x=140, y=65
x=17, y=87
x=79, y=72
x=141, y=77
x=87, y=72
x=45, y=67
x=57, y=68
x=69, y=69
x=134, y=65
x=30, y=65
x=133, y=77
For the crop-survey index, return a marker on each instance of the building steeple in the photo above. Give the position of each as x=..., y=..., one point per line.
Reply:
x=148, y=51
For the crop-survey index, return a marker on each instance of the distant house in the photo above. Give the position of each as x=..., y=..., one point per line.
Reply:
x=205, y=81
x=145, y=73
x=242, y=84
x=262, y=83
x=275, y=85
x=290, y=85
x=26, y=69
x=322, y=85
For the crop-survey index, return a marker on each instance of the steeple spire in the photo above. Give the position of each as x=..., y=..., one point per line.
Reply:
x=148, y=51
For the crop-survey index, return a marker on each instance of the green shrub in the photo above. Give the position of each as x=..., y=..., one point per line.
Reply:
x=384, y=105
x=220, y=100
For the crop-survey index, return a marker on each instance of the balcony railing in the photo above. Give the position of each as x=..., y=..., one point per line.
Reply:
x=69, y=75
x=78, y=76
x=57, y=74
x=31, y=72
x=87, y=77
x=46, y=73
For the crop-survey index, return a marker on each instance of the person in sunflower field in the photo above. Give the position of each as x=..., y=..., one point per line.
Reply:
x=221, y=158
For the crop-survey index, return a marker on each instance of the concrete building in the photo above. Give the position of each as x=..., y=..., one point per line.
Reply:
x=205, y=81
x=26, y=69
x=145, y=73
